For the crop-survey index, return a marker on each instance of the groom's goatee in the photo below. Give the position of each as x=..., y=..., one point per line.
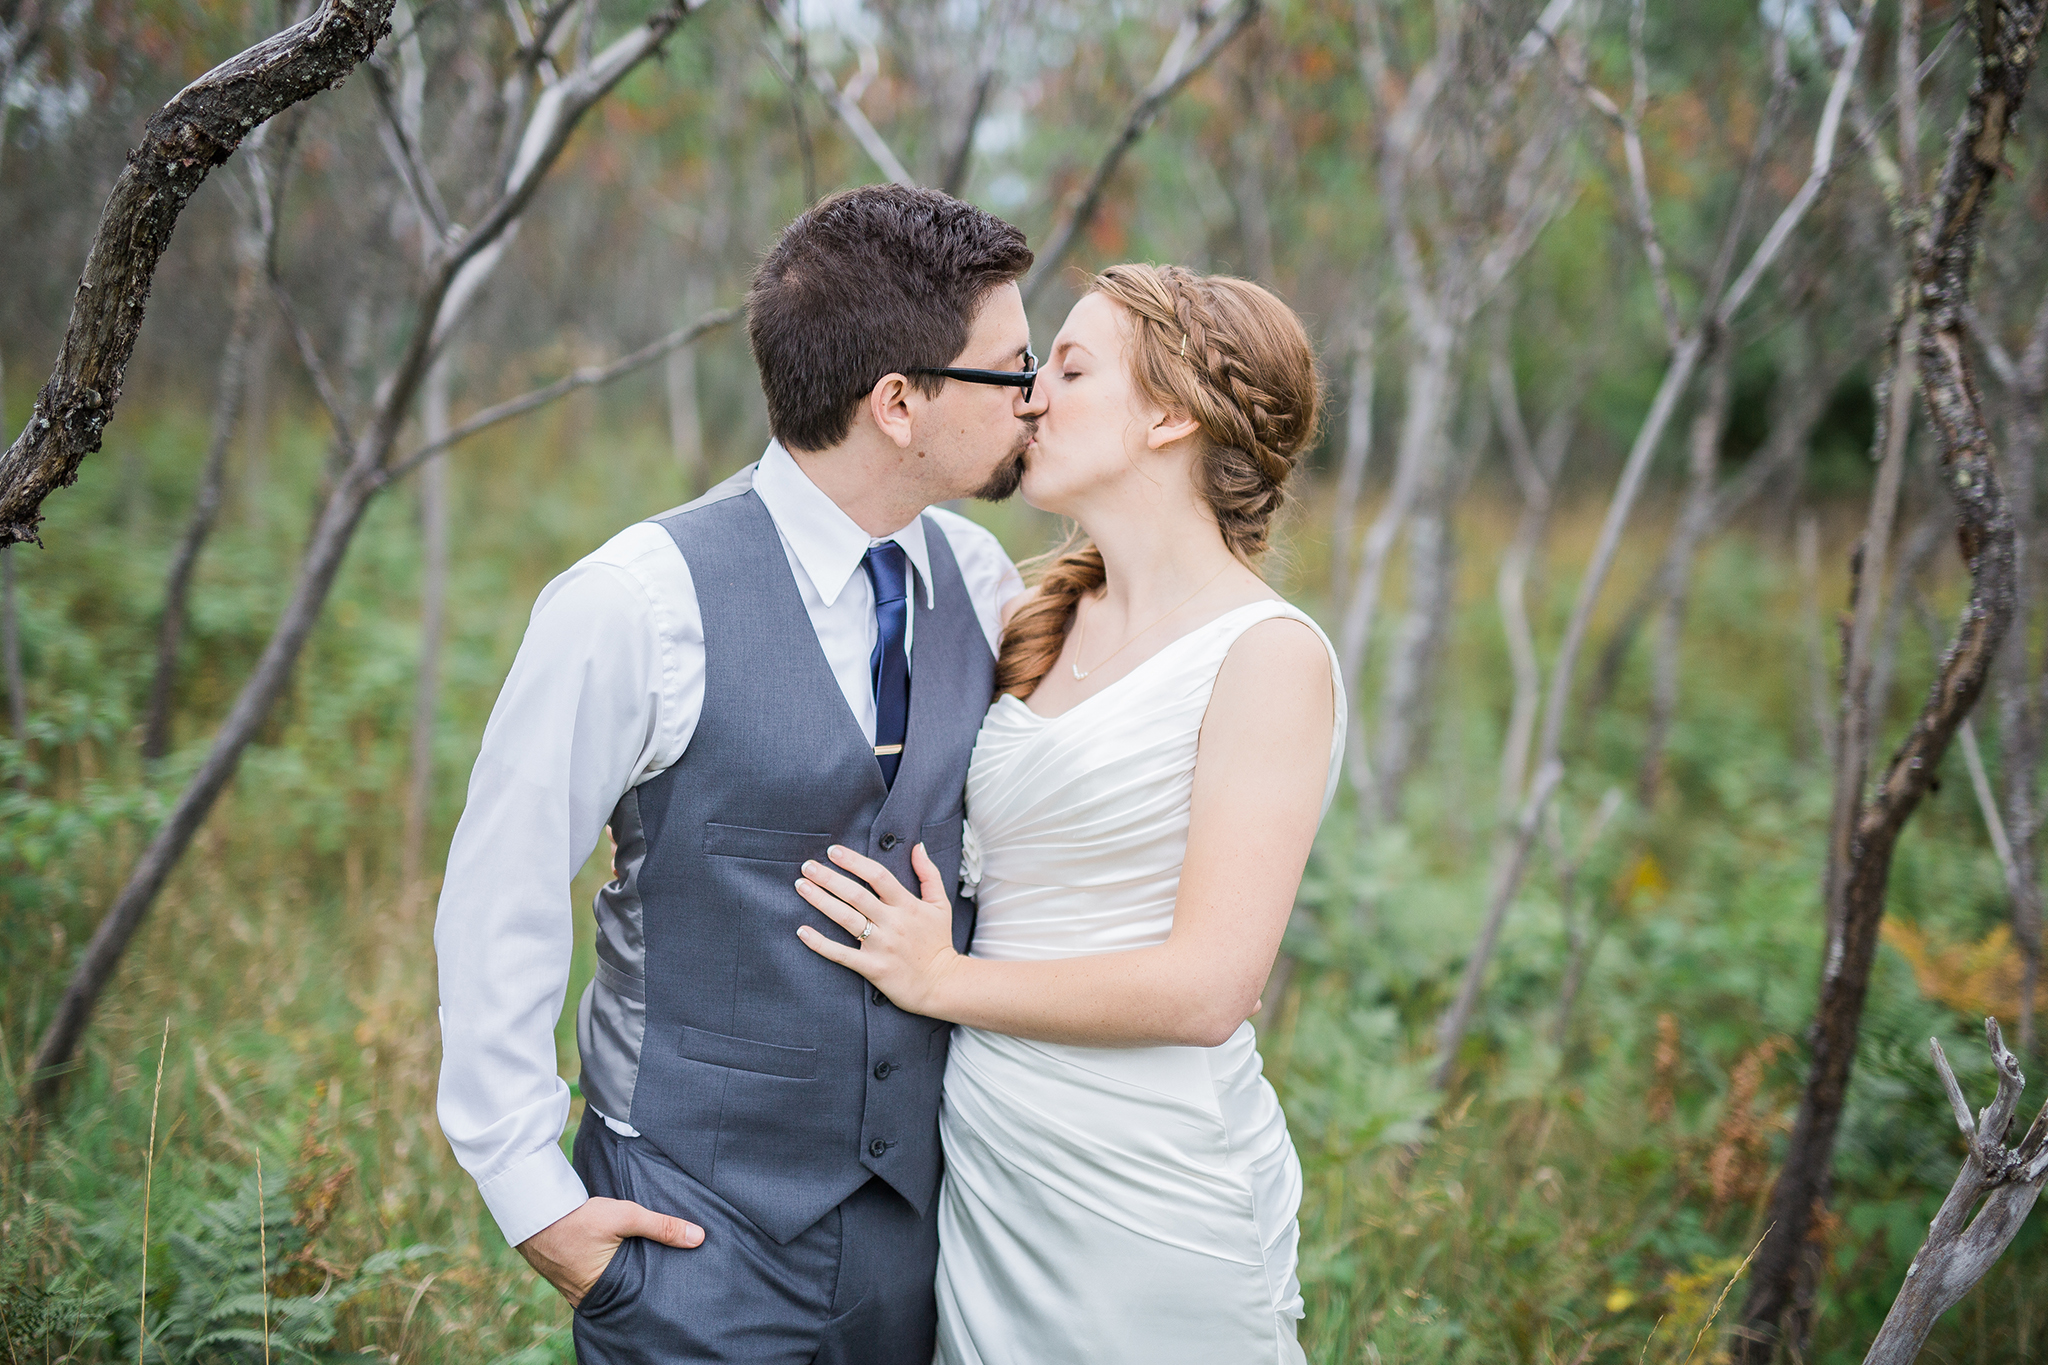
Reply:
x=1009, y=475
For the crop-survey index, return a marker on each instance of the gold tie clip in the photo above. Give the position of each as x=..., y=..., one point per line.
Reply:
x=883, y=750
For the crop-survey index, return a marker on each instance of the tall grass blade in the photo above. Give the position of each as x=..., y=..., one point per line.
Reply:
x=148, y=1176
x=263, y=1258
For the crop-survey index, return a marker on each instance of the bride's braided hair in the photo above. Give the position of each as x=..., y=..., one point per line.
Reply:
x=1234, y=359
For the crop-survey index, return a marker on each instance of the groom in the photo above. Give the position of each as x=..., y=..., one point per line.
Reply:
x=799, y=658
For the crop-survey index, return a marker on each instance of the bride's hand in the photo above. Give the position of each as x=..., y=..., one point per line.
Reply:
x=908, y=951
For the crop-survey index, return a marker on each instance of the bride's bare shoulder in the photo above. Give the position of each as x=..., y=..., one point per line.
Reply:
x=1278, y=663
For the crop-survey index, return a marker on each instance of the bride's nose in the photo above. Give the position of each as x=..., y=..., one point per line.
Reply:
x=1034, y=406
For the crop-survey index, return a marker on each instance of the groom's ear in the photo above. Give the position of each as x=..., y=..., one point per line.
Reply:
x=891, y=404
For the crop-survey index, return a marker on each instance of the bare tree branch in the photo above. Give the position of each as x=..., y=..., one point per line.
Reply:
x=587, y=377
x=316, y=369
x=1436, y=131
x=843, y=102
x=1204, y=34
x=196, y=131
x=252, y=248
x=404, y=152
x=953, y=179
x=438, y=305
x=1960, y=1248
x=1638, y=175
x=1357, y=446
x=1557, y=694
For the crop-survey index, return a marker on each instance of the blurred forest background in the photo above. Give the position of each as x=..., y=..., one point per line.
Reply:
x=1608, y=298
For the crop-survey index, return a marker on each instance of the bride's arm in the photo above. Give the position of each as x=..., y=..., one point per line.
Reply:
x=1257, y=798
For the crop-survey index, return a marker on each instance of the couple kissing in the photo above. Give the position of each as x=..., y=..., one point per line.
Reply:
x=939, y=903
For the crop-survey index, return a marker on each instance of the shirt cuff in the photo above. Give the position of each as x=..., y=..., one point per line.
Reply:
x=533, y=1193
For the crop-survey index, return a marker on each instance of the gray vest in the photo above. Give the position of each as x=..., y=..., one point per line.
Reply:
x=775, y=1077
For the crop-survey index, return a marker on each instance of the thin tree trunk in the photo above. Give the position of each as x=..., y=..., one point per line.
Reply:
x=1357, y=454
x=1861, y=847
x=1582, y=940
x=10, y=647
x=419, y=787
x=1411, y=662
x=1718, y=312
x=1787, y=441
x=1427, y=397
x=229, y=391
x=10, y=627
x=1251, y=151
x=2020, y=701
x=679, y=375
x=1816, y=644
x=1537, y=466
x=2020, y=685
x=1407, y=700
x=1704, y=464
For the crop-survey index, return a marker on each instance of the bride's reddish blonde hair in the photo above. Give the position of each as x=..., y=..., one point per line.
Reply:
x=1237, y=361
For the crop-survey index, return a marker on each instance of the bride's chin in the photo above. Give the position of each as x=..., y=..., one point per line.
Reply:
x=1034, y=491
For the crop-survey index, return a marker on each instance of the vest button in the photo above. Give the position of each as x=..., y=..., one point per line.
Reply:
x=877, y=996
x=882, y=1070
x=877, y=1147
x=887, y=841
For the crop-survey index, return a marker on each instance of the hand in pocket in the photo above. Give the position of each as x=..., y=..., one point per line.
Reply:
x=571, y=1252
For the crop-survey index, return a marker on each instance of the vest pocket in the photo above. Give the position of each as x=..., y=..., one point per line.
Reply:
x=745, y=1054
x=763, y=845
x=941, y=838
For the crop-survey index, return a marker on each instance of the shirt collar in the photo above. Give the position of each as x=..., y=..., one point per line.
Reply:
x=825, y=540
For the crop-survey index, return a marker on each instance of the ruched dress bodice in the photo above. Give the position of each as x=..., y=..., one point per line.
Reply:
x=1108, y=1204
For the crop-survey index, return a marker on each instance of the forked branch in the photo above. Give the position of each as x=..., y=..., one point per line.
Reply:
x=1202, y=35
x=1959, y=1248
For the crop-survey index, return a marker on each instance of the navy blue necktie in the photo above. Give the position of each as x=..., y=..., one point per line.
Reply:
x=888, y=666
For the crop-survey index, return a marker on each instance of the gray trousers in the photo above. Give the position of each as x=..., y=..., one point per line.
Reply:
x=855, y=1288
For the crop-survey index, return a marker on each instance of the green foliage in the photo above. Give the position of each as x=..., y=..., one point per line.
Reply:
x=1598, y=1174
x=42, y=1308
x=215, y=1305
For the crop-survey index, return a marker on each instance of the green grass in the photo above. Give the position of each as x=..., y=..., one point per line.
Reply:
x=1598, y=1185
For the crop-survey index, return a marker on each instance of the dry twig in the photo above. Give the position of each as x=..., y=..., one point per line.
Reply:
x=1960, y=1248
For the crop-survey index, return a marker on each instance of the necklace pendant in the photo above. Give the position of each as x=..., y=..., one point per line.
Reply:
x=1078, y=674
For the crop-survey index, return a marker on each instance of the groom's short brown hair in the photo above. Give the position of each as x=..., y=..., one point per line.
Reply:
x=868, y=282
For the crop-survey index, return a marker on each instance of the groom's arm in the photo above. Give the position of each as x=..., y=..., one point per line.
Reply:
x=588, y=708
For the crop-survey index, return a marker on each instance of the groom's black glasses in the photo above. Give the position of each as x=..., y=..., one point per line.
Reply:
x=1021, y=379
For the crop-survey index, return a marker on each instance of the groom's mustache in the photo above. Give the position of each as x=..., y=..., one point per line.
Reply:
x=1009, y=475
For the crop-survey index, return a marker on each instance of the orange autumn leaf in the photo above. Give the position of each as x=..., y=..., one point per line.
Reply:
x=1972, y=978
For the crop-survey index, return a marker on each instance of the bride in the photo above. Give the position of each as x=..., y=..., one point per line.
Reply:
x=1119, y=1182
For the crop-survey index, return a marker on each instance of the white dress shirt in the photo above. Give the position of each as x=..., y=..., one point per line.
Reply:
x=605, y=692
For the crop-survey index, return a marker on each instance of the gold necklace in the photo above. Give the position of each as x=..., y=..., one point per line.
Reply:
x=1082, y=627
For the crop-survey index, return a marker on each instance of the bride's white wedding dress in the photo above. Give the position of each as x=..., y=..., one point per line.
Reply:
x=1123, y=1205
